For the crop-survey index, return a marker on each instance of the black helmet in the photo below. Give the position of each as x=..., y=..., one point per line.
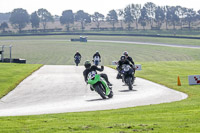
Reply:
x=125, y=53
x=87, y=64
x=97, y=52
x=122, y=58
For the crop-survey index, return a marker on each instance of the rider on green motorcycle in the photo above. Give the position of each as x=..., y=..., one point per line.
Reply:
x=90, y=68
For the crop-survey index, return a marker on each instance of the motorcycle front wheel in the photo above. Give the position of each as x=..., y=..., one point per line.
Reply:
x=111, y=94
x=130, y=84
x=101, y=91
x=77, y=62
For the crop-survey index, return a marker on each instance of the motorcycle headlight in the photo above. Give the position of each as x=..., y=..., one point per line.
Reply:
x=126, y=69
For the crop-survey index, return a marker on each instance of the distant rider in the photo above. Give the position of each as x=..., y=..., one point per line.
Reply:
x=77, y=54
x=96, y=58
x=97, y=54
x=90, y=68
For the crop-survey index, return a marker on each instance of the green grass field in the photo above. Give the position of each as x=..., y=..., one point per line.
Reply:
x=179, y=117
x=159, y=64
x=59, y=50
x=12, y=74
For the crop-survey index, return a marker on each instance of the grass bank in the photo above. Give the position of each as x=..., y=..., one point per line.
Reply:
x=65, y=38
x=12, y=74
x=58, y=50
x=179, y=117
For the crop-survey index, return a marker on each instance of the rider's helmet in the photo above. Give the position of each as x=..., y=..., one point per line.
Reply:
x=87, y=64
x=125, y=53
x=97, y=52
x=77, y=52
x=122, y=58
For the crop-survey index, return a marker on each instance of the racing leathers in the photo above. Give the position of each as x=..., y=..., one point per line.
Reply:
x=95, y=68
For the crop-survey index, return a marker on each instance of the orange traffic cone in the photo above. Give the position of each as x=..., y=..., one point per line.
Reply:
x=179, y=81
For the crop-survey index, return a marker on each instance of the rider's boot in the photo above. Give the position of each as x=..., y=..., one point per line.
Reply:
x=109, y=84
x=91, y=88
x=118, y=76
x=110, y=87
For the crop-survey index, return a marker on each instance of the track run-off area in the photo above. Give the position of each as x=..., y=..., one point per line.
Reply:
x=149, y=43
x=61, y=88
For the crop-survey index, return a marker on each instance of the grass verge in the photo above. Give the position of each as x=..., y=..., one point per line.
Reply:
x=179, y=117
x=12, y=74
x=57, y=50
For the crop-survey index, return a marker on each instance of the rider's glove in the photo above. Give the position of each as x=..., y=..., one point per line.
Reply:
x=118, y=69
x=134, y=67
x=102, y=67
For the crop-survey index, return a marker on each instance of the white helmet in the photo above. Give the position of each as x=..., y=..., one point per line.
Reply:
x=125, y=53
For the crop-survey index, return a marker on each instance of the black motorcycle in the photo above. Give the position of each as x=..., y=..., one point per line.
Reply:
x=96, y=60
x=127, y=74
x=77, y=60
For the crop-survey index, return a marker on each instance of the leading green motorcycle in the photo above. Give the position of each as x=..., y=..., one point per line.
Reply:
x=98, y=84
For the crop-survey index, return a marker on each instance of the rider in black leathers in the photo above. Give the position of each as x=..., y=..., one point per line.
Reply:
x=122, y=61
x=129, y=59
x=77, y=54
x=90, y=68
x=97, y=54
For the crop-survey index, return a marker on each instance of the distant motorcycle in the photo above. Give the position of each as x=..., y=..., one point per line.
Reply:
x=128, y=75
x=96, y=60
x=77, y=60
x=99, y=85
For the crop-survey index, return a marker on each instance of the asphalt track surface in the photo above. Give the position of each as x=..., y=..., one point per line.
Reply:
x=149, y=43
x=126, y=42
x=61, y=88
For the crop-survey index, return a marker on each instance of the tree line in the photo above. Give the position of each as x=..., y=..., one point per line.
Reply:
x=149, y=14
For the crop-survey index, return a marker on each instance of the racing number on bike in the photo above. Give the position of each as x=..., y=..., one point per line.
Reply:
x=91, y=75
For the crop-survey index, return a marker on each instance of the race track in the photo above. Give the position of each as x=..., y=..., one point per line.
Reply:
x=61, y=88
x=149, y=43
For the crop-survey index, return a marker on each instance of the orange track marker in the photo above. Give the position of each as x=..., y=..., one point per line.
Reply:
x=179, y=81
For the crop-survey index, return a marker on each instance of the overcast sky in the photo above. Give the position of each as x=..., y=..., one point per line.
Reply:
x=56, y=7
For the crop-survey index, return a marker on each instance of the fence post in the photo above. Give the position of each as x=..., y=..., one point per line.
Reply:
x=2, y=53
x=10, y=53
